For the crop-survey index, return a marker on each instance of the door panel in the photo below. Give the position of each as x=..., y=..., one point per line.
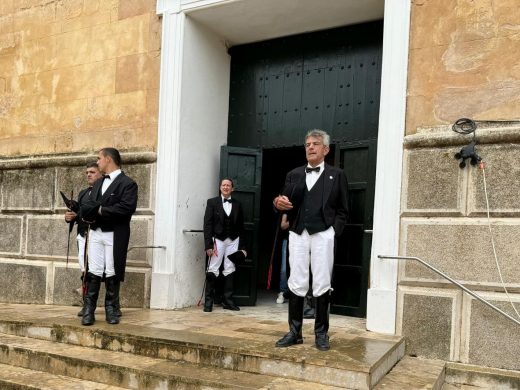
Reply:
x=244, y=167
x=352, y=260
x=330, y=80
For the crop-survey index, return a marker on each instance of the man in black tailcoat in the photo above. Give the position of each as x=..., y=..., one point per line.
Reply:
x=223, y=228
x=112, y=202
x=315, y=197
x=93, y=174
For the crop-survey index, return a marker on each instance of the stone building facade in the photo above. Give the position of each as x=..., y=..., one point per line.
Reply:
x=78, y=75
x=462, y=63
x=74, y=76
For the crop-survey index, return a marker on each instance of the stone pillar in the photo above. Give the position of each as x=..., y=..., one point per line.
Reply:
x=193, y=111
x=382, y=294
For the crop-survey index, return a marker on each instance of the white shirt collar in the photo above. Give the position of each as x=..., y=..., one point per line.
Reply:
x=114, y=174
x=321, y=165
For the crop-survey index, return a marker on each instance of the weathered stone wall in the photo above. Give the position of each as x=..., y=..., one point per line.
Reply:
x=77, y=75
x=33, y=233
x=444, y=222
x=463, y=61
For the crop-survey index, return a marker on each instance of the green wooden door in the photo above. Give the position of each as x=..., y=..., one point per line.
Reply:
x=352, y=260
x=244, y=167
x=329, y=80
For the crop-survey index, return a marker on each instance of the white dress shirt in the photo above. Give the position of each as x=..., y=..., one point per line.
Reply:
x=312, y=177
x=227, y=206
x=107, y=181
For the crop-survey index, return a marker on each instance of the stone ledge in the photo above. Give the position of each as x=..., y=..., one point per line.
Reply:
x=71, y=160
x=443, y=136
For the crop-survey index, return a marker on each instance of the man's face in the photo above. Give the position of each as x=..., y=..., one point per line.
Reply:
x=93, y=175
x=102, y=162
x=315, y=151
x=226, y=188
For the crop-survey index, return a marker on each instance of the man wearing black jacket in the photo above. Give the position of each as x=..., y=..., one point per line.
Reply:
x=93, y=175
x=223, y=228
x=315, y=197
x=112, y=202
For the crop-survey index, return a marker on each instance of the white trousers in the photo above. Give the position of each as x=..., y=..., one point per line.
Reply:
x=101, y=253
x=316, y=250
x=81, y=252
x=224, y=249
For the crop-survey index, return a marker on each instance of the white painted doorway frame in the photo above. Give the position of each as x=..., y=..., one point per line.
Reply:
x=166, y=280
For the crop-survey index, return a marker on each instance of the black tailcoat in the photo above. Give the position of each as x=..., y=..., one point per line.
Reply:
x=335, y=196
x=118, y=203
x=214, y=221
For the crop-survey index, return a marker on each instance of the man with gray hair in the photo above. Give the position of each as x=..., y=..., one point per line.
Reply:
x=315, y=198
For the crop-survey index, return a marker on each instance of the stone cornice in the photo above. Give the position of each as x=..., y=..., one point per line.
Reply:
x=24, y=162
x=443, y=136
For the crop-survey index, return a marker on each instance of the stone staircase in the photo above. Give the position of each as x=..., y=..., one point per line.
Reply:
x=45, y=347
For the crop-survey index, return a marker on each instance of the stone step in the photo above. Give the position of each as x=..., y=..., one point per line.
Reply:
x=414, y=373
x=17, y=378
x=480, y=377
x=131, y=371
x=355, y=361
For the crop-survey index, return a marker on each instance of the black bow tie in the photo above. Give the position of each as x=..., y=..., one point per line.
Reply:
x=309, y=169
x=106, y=177
x=227, y=200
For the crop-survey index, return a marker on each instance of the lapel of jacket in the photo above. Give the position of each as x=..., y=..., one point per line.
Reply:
x=108, y=191
x=328, y=181
x=300, y=183
x=220, y=208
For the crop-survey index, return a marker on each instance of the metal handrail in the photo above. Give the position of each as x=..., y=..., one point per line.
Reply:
x=470, y=292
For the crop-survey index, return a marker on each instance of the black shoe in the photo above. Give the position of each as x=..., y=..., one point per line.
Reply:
x=322, y=342
x=88, y=319
x=289, y=339
x=81, y=312
x=230, y=305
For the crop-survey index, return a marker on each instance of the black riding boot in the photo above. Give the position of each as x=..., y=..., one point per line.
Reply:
x=111, y=299
x=295, y=322
x=117, y=305
x=227, y=297
x=90, y=299
x=321, y=324
x=209, y=291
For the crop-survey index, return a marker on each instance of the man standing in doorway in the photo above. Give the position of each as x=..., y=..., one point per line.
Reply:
x=93, y=175
x=112, y=202
x=315, y=196
x=223, y=229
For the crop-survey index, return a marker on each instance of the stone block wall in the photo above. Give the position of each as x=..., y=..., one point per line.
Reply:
x=462, y=61
x=76, y=76
x=444, y=222
x=33, y=233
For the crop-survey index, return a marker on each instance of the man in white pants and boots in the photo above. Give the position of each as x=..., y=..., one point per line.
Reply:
x=223, y=228
x=93, y=175
x=112, y=202
x=315, y=197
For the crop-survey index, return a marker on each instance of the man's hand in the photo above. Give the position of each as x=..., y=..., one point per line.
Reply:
x=70, y=216
x=282, y=202
x=209, y=252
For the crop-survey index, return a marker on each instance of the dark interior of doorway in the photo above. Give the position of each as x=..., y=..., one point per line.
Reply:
x=276, y=163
